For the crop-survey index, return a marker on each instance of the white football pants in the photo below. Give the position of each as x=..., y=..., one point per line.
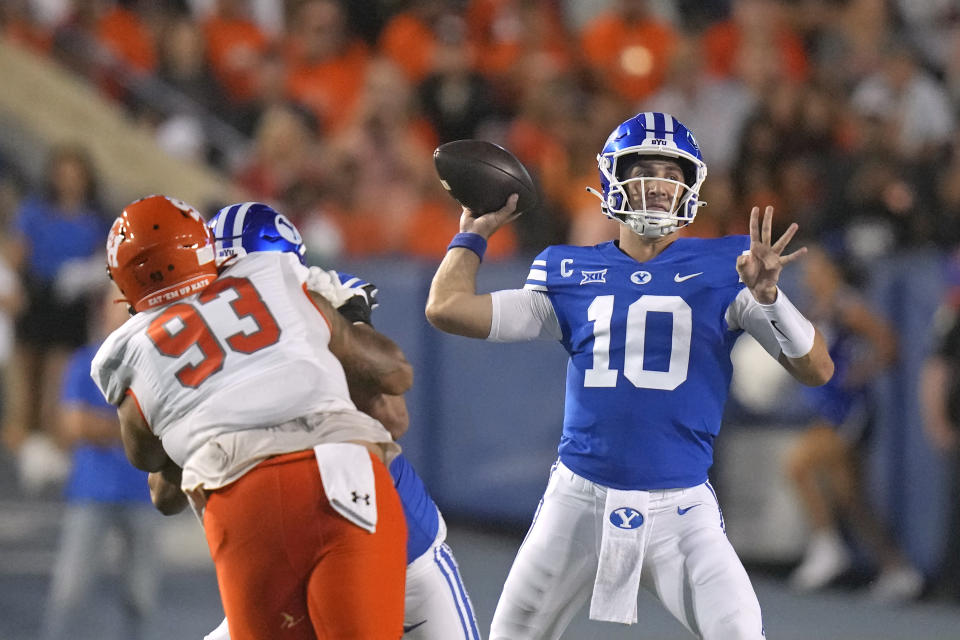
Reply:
x=689, y=564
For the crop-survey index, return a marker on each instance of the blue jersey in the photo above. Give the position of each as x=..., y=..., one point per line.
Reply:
x=837, y=401
x=649, y=367
x=99, y=473
x=423, y=518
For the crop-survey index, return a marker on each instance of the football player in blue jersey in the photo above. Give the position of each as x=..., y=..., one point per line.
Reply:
x=649, y=321
x=436, y=606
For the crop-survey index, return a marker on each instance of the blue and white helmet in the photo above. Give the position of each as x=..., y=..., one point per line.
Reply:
x=247, y=227
x=650, y=134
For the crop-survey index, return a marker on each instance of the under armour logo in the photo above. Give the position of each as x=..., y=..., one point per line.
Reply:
x=357, y=498
x=626, y=518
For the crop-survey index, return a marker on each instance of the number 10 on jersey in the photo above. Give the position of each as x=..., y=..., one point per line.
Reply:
x=600, y=312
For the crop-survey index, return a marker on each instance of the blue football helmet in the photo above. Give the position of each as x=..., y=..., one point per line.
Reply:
x=247, y=227
x=650, y=135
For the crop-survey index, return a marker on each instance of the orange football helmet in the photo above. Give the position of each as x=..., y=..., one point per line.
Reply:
x=160, y=250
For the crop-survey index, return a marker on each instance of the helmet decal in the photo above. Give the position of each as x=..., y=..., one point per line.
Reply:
x=248, y=227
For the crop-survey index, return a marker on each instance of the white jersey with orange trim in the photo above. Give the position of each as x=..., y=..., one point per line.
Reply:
x=246, y=354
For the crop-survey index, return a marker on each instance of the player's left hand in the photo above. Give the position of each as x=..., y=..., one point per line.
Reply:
x=760, y=268
x=353, y=297
x=360, y=306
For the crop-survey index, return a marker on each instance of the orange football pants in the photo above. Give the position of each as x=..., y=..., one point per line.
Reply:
x=290, y=567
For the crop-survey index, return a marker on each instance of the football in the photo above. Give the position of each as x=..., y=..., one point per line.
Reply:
x=481, y=176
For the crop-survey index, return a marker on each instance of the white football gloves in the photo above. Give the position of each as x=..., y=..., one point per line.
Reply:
x=353, y=297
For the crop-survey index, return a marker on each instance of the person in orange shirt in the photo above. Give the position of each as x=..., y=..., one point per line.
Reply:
x=518, y=39
x=411, y=38
x=327, y=64
x=126, y=36
x=628, y=49
x=755, y=41
x=235, y=47
x=19, y=25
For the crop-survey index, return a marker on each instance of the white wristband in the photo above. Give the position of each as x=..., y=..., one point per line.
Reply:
x=793, y=331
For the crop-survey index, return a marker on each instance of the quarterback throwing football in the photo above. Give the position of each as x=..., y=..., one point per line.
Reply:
x=649, y=321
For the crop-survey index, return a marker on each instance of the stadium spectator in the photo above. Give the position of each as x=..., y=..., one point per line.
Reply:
x=716, y=105
x=627, y=49
x=519, y=42
x=412, y=37
x=235, y=45
x=826, y=464
x=939, y=390
x=756, y=44
x=56, y=248
x=457, y=99
x=326, y=64
x=914, y=105
x=105, y=496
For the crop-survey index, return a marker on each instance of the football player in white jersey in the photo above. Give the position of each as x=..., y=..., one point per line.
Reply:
x=232, y=384
x=649, y=321
x=437, y=606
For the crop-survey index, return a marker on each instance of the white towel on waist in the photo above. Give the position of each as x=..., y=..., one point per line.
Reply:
x=347, y=475
x=622, y=546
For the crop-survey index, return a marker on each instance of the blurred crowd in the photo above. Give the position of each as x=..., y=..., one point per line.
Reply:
x=840, y=113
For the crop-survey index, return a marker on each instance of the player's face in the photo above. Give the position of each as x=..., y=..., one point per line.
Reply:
x=656, y=191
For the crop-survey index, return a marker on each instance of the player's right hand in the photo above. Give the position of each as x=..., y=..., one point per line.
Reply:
x=488, y=223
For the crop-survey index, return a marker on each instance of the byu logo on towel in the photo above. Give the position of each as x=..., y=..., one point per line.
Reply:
x=626, y=518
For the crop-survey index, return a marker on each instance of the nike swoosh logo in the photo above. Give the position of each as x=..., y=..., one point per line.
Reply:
x=681, y=511
x=680, y=278
x=777, y=329
x=409, y=628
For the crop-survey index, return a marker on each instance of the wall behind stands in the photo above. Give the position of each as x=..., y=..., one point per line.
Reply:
x=486, y=418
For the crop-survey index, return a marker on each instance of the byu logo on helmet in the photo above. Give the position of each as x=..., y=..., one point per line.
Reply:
x=248, y=227
x=286, y=229
x=626, y=518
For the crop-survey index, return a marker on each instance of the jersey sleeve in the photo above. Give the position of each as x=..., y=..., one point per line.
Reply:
x=528, y=313
x=522, y=314
x=109, y=371
x=537, y=277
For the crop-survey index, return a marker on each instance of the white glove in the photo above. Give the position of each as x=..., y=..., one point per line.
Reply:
x=327, y=284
